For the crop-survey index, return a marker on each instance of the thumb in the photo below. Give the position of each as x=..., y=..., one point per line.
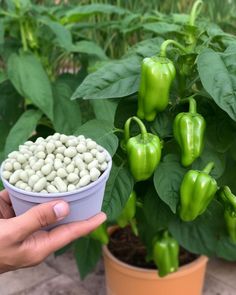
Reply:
x=40, y=216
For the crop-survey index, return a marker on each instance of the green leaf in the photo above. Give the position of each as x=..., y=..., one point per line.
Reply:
x=31, y=81
x=67, y=114
x=11, y=107
x=126, y=109
x=147, y=47
x=118, y=188
x=81, y=11
x=87, y=254
x=217, y=74
x=201, y=235
x=90, y=48
x=167, y=179
x=210, y=154
x=2, y=31
x=62, y=35
x=3, y=76
x=105, y=106
x=162, y=126
x=101, y=132
x=162, y=27
x=113, y=80
x=22, y=130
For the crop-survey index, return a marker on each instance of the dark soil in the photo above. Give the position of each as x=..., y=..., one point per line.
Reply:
x=125, y=246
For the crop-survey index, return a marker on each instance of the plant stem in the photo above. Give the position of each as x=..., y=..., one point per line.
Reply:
x=197, y=6
x=127, y=127
x=166, y=43
x=208, y=167
x=23, y=37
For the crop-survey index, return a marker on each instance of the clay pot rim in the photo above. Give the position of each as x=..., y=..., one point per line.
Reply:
x=150, y=273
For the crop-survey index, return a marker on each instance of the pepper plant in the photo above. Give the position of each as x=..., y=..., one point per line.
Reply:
x=196, y=129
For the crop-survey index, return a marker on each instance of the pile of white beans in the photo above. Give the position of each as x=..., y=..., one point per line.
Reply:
x=58, y=163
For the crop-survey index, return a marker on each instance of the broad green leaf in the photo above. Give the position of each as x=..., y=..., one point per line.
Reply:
x=162, y=28
x=81, y=11
x=113, y=80
x=217, y=74
x=22, y=130
x=163, y=124
x=126, y=109
x=167, y=180
x=118, y=188
x=62, y=34
x=11, y=107
x=201, y=235
x=147, y=47
x=1, y=32
x=87, y=254
x=209, y=154
x=102, y=132
x=31, y=81
x=67, y=114
x=105, y=108
x=90, y=48
x=3, y=76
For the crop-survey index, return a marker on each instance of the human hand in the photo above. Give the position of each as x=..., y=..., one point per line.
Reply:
x=23, y=243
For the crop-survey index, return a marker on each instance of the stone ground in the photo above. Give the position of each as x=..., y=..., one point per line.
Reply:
x=59, y=276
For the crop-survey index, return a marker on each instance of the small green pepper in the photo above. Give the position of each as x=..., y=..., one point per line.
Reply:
x=157, y=75
x=229, y=200
x=189, y=129
x=143, y=151
x=100, y=234
x=128, y=213
x=166, y=254
x=196, y=192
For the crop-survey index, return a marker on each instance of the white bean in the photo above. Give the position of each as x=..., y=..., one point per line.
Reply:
x=61, y=172
x=51, y=156
x=41, y=155
x=81, y=148
x=50, y=147
x=94, y=174
x=58, y=143
x=70, y=152
x=83, y=173
x=23, y=185
x=88, y=157
x=8, y=166
x=63, y=138
x=46, y=169
x=72, y=177
x=24, y=176
x=81, y=137
x=58, y=164
x=51, y=176
x=13, y=155
x=39, y=148
x=18, y=184
x=56, y=136
x=72, y=142
x=85, y=180
x=28, y=188
x=93, y=164
x=28, y=143
x=91, y=144
x=44, y=191
x=16, y=166
x=61, y=149
x=15, y=177
x=101, y=157
x=70, y=168
x=32, y=180
x=37, y=166
x=60, y=184
x=39, y=140
x=51, y=189
x=6, y=174
x=60, y=156
x=30, y=172
x=94, y=152
x=67, y=160
x=103, y=166
x=40, y=184
x=48, y=161
x=71, y=187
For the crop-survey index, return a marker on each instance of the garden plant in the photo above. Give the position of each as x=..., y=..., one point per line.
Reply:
x=174, y=161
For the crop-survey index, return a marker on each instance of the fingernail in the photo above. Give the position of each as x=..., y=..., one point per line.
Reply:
x=61, y=210
x=101, y=217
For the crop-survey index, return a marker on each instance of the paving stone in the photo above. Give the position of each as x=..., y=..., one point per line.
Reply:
x=223, y=271
x=64, y=263
x=214, y=287
x=60, y=285
x=19, y=280
x=94, y=283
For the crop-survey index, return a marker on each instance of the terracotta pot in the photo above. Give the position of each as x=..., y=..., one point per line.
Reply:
x=123, y=279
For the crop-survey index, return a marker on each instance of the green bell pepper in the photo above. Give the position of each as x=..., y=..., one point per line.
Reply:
x=143, y=151
x=128, y=213
x=189, y=129
x=229, y=200
x=166, y=254
x=157, y=75
x=196, y=192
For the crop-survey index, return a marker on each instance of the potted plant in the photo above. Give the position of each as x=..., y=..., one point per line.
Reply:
x=175, y=158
